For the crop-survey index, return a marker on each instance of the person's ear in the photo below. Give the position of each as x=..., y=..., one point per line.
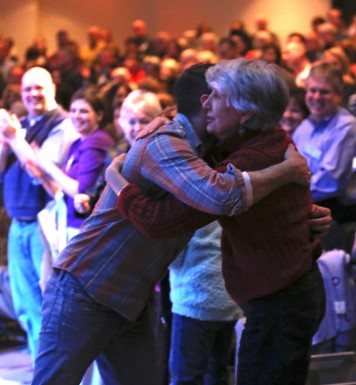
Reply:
x=203, y=98
x=245, y=116
x=100, y=116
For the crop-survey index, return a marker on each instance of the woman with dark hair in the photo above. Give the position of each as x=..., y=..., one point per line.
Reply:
x=295, y=112
x=243, y=41
x=85, y=158
x=271, y=53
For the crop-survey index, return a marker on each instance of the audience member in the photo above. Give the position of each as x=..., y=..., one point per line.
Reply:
x=105, y=61
x=328, y=141
x=134, y=65
x=137, y=110
x=12, y=102
x=208, y=41
x=188, y=39
x=173, y=49
x=226, y=49
x=295, y=58
x=328, y=35
x=296, y=37
x=89, y=50
x=338, y=58
x=62, y=39
x=120, y=75
x=168, y=73
x=5, y=63
x=315, y=22
x=66, y=73
x=204, y=315
x=151, y=66
x=243, y=42
x=85, y=159
x=140, y=37
x=36, y=54
x=11, y=98
x=262, y=25
x=295, y=112
x=107, y=40
x=260, y=40
x=188, y=57
x=334, y=16
x=159, y=43
x=46, y=126
x=80, y=171
x=313, y=46
x=15, y=75
x=271, y=54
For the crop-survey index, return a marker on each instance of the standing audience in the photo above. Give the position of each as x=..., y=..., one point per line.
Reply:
x=99, y=63
x=45, y=126
x=85, y=159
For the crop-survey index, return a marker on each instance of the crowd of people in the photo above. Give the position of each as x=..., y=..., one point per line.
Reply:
x=155, y=62
x=212, y=188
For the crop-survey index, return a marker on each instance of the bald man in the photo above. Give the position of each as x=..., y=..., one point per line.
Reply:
x=47, y=127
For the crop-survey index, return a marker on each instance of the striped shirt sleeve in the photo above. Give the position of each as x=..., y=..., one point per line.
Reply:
x=170, y=162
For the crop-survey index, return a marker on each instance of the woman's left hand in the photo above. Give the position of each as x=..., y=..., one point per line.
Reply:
x=113, y=176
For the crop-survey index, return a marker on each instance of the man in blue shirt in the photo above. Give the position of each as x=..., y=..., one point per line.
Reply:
x=327, y=138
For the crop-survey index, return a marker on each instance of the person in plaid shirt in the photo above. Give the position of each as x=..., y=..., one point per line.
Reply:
x=98, y=297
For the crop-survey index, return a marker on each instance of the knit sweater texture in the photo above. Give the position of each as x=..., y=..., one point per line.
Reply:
x=268, y=247
x=264, y=249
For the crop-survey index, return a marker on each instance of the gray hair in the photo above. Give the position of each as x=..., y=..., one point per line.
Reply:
x=252, y=86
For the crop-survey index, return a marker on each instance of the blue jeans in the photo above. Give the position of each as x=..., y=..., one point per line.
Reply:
x=200, y=351
x=25, y=251
x=276, y=342
x=76, y=330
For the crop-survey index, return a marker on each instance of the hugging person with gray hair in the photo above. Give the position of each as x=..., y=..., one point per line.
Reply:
x=268, y=254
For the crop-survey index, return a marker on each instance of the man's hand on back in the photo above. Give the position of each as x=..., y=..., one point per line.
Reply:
x=153, y=127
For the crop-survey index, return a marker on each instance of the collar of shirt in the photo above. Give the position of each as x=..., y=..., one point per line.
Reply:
x=322, y=123
x=32, y=120
x=189, y=131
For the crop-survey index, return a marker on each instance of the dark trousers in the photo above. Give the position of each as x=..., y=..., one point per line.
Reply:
x=276, y=342
x=76, y=330
x=200, y=351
